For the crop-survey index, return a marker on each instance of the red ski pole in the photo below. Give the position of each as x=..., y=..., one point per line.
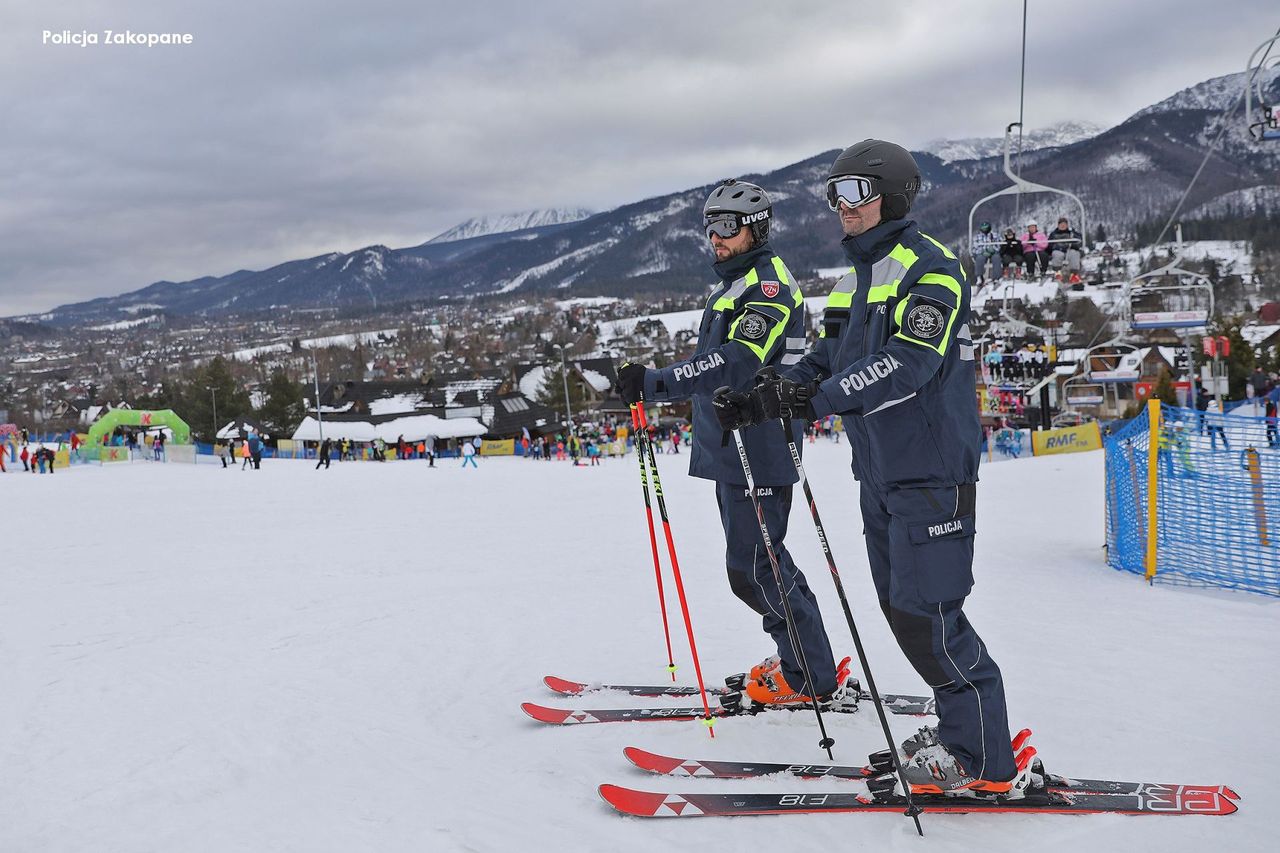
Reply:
x=653, y=539
x=675, y=566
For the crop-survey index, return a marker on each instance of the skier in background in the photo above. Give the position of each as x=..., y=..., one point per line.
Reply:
x=469, y=454
x=322, y=455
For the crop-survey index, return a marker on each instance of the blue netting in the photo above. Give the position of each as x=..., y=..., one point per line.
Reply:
x=1216, y=525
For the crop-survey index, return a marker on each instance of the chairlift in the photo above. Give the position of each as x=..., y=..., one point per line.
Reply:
x=1111, y=362
x=1264, y=121
x=1021, y=185
x=1078, y=391
x=1187, y=302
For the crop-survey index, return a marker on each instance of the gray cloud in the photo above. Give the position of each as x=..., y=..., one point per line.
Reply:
x=296, y=128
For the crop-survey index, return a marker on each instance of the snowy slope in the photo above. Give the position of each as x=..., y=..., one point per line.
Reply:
x=502, y=223
x=974, y=148
x=337, y=665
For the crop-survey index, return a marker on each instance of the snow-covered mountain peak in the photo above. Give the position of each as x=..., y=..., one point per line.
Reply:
x=974, y=148
x=1215, y=94
x=502, y=223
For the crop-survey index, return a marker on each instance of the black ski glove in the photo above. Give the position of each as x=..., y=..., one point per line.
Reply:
x=736, y=409
x=782, y=398
x=630, y=384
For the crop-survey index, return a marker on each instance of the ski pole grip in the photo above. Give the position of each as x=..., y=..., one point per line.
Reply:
x=766, y=374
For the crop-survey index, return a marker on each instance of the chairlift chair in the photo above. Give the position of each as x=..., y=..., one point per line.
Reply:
x=1078, y=391
x=1114, y=374
x=1021, y=185
x=1188, y=303
x=1262, y=122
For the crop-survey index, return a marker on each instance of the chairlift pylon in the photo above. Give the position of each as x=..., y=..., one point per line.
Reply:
x=1265, y=120
x=1021, y=185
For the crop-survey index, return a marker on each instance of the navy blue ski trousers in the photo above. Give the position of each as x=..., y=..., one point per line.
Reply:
x=920, y=546
x=751, y=578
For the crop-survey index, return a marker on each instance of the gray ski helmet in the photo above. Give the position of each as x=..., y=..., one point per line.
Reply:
x=750, y=202
x=891, y=169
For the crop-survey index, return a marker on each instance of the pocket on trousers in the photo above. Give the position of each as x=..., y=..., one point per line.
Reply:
x=940, y=529
x=944, y=558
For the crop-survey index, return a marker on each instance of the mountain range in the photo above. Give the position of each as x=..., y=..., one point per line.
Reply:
x=1128, y=174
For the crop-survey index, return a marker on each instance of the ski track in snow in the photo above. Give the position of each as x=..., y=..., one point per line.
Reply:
x=207, y=660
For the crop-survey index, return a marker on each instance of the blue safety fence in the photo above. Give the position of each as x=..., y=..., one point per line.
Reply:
x=1217, y=499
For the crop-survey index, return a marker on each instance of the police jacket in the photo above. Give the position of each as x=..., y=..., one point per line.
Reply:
x=754, y=317
x=897, y=361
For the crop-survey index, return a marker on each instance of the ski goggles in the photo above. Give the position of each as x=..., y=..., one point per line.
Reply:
x=849, y=190
x=724, y=225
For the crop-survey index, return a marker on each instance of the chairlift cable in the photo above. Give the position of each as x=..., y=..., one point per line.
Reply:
x=1227, y=115
x=1022, y=92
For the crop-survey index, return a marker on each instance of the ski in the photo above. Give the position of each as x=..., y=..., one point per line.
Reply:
x=667, y=765
x=572, y=716
x=895, y=702
x=1147, y=800
x=565, y=687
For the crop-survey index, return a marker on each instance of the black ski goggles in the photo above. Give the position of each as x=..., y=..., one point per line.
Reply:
x=849, y=190
x=724, y=225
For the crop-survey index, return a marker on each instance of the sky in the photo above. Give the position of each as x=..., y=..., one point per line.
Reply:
x=290, y=129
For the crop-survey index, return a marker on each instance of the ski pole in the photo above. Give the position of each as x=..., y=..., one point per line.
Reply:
x=708, y=720
x=913, y=811
x=792, y=633
x=653, y=540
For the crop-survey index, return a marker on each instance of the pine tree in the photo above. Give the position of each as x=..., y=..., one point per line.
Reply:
x=1164, y=390
x=284, y=408
x=551, y=391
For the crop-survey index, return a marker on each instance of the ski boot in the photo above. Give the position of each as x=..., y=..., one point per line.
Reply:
x=771, y=691
x=769, y=664
x=931, y=769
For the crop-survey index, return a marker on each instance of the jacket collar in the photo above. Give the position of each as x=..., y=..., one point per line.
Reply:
x=875, y=243
x=736, y=267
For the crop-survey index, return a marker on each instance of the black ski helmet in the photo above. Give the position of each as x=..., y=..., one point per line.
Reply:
x=750, y=202
x=892, y=170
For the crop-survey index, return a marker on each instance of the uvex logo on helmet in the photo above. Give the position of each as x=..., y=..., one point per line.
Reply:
x=756, y=217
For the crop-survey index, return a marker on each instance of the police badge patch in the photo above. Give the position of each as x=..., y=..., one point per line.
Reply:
x=769, y=288
x=752, y=326
x=925, y=322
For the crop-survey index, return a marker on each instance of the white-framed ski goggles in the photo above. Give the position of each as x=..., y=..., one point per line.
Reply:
x=849, y=190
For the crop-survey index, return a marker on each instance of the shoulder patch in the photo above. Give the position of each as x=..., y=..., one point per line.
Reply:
x=770, y=288
x=925, y=322
x=752, y=325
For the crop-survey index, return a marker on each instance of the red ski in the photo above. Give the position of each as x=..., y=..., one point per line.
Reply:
x=1148, y=800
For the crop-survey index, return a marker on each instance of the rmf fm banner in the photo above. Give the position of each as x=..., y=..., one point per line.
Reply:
x=1067, y=440
x=503, y=447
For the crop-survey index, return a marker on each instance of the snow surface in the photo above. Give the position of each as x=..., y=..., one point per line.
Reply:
x=124, y=324
x=974, y=148
x=295, y=660
x=685, y=321
x=502, y=223
x=1125, y=161
x=412, y=427
x=542, y=269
